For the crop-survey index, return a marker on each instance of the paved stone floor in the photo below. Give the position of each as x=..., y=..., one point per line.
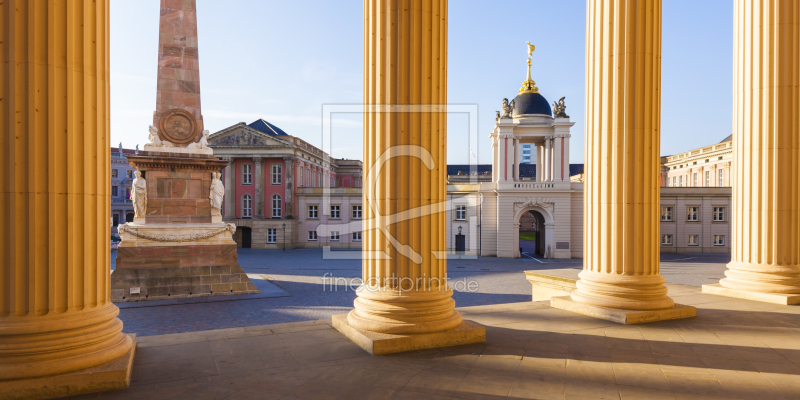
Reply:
x=301, y=273
x=732, y=349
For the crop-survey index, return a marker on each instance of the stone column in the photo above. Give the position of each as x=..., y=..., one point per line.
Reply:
x=621, y=280
x=56, y=316
x=288, y=184
x=765, y=250
x=548, y=160
x=539, y=163
x=230, y=202
x=259, y=187
x=405, y=302
x=517, y=159
x=557, y=172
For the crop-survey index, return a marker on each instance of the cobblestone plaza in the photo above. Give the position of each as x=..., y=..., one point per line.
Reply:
x=301, y=274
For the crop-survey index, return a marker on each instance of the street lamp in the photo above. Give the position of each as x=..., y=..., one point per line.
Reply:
x=459, y=229
x=284, y=237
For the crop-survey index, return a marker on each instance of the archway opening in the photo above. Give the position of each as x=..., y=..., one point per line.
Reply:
x=532, y=234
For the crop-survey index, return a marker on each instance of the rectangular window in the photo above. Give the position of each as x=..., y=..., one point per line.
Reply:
x=666, y=240
x=666, y=213
x=313, y=212
x=721, y=179
x=694, y=179
x=276, y=174
x=312, y=235
x=335, y=212
x=247, y=174
x=334, y=236
x=692, y=240
x=356, y=212
x=719, y=214
x=674, y=181
x=301, y=176
x=115, y=173
x=692, y=213
x=719, y=240
x=277, y=209
x=681, y=180
x=461, y=213
x=356, y=236
x=247, y=206
x=272, y=235
x=129, y=174
x=128, y=193
x=708, y=178
x=114, y=191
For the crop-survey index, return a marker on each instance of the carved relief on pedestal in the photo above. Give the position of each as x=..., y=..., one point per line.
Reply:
x=178, y=126
x=545, y=203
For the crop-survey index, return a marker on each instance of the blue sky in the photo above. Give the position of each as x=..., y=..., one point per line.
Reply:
x=282, y=60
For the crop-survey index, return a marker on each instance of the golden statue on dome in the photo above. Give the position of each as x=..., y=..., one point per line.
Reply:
x=529, y=86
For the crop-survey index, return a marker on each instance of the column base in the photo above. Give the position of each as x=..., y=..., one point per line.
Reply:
x=623, y=316
x=384, y=343
x=112, y=375
x=775, y=298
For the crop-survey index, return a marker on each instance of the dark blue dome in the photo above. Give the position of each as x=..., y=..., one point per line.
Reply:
x=531, y=103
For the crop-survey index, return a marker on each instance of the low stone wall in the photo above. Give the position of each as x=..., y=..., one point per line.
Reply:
x=546, y=286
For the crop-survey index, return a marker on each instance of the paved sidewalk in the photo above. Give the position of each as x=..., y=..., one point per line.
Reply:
x=301, y=274
x=732, y=349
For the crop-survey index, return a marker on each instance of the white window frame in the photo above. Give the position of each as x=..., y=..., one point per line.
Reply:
x=312, y=236
x=356, y=236
x=461, y=213
x=696, y=240
x=694, y=179
x=276, y=203
x=247, y=174
x=719, y=240
x=313, y=211
x=247, y=206
x=336, y=212
x=719, y=214
x=272, y=235
x=277, y=174
x=680, y=179
x=721, y=178
x=356, y=212
x=666, y=214
x=692, y=211
x=115, y=173
x=708, y=178
x=666, y=240
x=302, y=183
x=334, y=236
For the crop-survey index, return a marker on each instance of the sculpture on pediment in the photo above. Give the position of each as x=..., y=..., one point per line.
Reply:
x=202, y=144
x=507, y=108
x=541, y=202
x=216, y=194
x=139, y=195
x=240, y=138
x=156, y=141
x=559, y=108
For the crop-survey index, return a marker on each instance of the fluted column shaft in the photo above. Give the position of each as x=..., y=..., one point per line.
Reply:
x=621, y=195
x=229, y=200
x=55, y=311
x=405, y=65
x=765, y=251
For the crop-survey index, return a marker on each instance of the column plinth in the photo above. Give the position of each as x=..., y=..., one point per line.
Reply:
x=59, y=331
x=765, y=250
x=621, y=280
x=405, y=302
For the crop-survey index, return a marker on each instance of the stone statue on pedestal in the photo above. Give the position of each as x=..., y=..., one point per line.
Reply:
x=139, y=195
x=507, y=108
x=155, y=141
x=216, y=194
x=559, y=109
x=202, y=144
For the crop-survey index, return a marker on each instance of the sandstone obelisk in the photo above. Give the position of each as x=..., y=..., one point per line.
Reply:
x=178, y=70
x=177, y=245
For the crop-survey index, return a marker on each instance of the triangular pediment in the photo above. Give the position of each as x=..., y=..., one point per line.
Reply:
x=243, y=136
